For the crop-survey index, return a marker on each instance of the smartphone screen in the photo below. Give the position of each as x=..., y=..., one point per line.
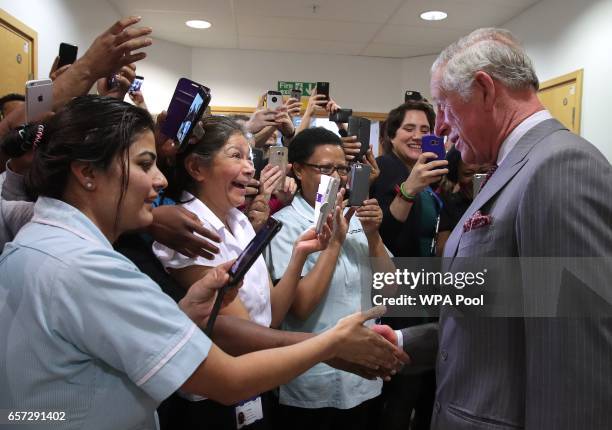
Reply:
x=137, y=84
x=181, y=103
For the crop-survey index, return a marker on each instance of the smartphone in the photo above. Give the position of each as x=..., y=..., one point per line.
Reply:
x=274, y=100
x=323, y=88
x=39, y=99
x=359, y=184
x=360, y=127
x=477, y=182
x=325, y=201
x=341, y=115
x=243, y=263
x=435, y=144
x=194, y=114
x=412, y=96
x=181, y=103
x=278, y=157
x=67, y=54
x=257, y=155
x=296, y=94
x=137, y=84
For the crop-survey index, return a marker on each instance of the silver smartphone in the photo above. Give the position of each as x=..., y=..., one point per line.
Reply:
x=328, y=203
x=477, y=181
x=274, y=100
x=39, y=99
x=278, y=157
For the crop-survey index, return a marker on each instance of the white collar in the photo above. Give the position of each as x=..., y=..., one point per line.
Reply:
x=527, y=124
x=205, y=214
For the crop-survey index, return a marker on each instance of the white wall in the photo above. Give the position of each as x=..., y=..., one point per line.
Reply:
x=166, y=62
x=76, y=22
x=415, y=74
x=565, y=35
x=239, y=77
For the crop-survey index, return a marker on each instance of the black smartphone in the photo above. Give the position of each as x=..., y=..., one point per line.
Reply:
x=258, y=161
x=412, y=96
x=359, y=184
x=360, y=127
x=323, y=88
x=67, y=54
x=242, y=265
x=341, y=115
x=296, y=94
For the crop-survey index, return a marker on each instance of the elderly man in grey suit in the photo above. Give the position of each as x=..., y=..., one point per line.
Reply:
x=550, y=196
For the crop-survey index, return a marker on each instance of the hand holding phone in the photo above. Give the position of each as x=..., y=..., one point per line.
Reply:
x=243, y=263
x=325, y=201
x=323, y=89
x=360, y=127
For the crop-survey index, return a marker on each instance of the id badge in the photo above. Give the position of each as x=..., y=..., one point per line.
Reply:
x=248, y=411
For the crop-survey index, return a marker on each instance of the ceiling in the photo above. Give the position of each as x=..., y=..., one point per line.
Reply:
x=376, y=28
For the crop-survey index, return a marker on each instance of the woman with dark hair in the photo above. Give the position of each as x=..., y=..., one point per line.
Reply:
x=210, y=180
x=332, y=285
x=85, y=333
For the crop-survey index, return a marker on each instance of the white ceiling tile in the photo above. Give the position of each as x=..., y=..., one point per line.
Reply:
x=418, y=36
x=462, y=14
x=339, y=10
x=397, y=51
x=298, y=28
x=299, y=45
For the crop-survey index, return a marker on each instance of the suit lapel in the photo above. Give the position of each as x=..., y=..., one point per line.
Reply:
x=513, y=163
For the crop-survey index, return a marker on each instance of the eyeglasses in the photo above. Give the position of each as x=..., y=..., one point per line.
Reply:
x=329, y=169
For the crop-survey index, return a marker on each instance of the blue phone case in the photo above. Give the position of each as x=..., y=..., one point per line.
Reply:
x=435, y=144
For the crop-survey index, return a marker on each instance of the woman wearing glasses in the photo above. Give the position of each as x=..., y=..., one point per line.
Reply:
x=331, y=286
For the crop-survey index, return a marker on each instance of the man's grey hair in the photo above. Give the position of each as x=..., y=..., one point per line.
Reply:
x=493, y=50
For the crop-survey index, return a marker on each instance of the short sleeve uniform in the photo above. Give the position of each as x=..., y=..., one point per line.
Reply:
x=84, y=331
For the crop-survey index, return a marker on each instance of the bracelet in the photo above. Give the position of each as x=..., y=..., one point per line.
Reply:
x=399, y=190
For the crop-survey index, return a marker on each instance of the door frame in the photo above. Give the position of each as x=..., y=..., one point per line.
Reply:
x=29, y=33
x=576, y=76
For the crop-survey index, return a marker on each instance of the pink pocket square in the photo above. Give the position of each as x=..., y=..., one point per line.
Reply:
x=478, y=220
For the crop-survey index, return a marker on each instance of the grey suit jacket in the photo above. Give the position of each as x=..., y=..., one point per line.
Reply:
x=551, y=197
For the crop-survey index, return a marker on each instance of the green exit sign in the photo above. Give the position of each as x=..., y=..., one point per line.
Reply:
x=307, y=88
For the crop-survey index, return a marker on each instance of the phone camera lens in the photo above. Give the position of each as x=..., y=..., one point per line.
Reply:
x=274, y=99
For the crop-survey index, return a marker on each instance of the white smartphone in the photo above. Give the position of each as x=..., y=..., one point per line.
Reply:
x=39, y=99
x=274, y=100
x=326, y=197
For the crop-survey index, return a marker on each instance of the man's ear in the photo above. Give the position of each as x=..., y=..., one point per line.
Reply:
x=484, y=82
x=193, y=166
x=297, y=170
x=85, y=174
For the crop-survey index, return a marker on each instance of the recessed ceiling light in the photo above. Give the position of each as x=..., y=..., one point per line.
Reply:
x=434, y=15
x=198, y=23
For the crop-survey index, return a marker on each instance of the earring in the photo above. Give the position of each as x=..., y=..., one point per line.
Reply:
x=89, y=185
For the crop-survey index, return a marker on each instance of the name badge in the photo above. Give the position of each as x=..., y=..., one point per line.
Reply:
x=248, y=411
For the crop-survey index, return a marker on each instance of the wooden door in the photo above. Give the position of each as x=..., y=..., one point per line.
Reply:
x=562, y=96
x=17, y=54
